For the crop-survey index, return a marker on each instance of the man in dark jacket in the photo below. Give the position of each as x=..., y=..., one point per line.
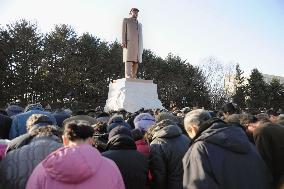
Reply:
x=221, y=156
x=167, y=148
x=269, y=141
x=132, y=164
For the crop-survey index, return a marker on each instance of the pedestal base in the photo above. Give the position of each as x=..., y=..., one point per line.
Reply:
x=132, y=95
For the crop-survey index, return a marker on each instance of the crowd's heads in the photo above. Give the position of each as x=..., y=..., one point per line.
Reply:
x=36, y=106
x=194, y=119
x=38, y=120
x=143, y=121
x=77, y=132
x=14, y=110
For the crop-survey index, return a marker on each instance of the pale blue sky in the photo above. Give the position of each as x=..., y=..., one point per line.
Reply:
x=250, y=32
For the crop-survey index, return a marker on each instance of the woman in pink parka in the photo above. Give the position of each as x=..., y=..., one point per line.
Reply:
x=77, y=165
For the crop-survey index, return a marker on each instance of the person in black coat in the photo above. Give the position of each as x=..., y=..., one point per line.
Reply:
x=132, y=164
x=221, y=156
x=5, y=125
x=167, y=148
x=269, y=141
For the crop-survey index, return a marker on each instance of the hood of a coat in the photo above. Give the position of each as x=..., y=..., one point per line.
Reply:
x=168, y=131
x=121, y=142
x=73, y=165
x=227, y=136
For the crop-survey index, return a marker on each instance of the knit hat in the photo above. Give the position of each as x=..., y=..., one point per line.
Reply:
x=34, y=107
x=14, y=110
x=143, y=121
x=115, y=121
x=120, y=130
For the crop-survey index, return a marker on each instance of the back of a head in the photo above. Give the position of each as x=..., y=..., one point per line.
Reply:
x=78, y=130
x=263, y=117
x=38, y=120
x=247, y=119
x=197, y=117
x=120, y=130
x=230, y=108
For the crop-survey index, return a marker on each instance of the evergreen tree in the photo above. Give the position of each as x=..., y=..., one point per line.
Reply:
x=240, y=89
x=275, y=94
x=257, y=91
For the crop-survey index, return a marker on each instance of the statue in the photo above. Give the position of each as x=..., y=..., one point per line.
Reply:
x=132, y=43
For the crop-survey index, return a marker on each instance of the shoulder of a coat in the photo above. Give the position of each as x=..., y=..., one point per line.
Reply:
x=198, y=146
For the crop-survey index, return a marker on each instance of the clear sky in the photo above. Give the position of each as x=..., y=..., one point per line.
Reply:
x=250, y=32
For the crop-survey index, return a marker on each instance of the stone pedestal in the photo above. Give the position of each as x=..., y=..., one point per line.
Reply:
x=132, y=95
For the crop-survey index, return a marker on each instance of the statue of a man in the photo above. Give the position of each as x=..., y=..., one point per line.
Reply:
x=132, y=43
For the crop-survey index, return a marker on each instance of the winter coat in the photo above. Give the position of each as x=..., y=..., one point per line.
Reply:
x=19, y=122
x=269, y=141
x=18, y=165
x=221, y=157
x=132, y=37
x=18, y=142
x=5, y=125
x=3, y=146
x=166, y=152
x=132, y=164
x=80, y=166
x=60, y=116
x=143, y=147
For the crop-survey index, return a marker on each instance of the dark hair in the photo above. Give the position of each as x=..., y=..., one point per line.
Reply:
x=78, y=130
x=247, y=119
x=230, y=108
x=103, y=114
x=100, y=128
x=137, y=134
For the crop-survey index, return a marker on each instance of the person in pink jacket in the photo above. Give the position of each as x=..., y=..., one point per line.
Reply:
x=77, y=165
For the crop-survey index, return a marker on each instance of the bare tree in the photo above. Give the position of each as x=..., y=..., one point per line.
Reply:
x=215, y=73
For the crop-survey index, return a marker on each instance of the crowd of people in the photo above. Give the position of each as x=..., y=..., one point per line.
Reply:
x=190, y=148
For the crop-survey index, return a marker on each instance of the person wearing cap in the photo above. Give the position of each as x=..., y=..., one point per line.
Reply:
x=132, y=43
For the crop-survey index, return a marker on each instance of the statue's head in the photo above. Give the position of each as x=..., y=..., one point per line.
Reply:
x=134, y=12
